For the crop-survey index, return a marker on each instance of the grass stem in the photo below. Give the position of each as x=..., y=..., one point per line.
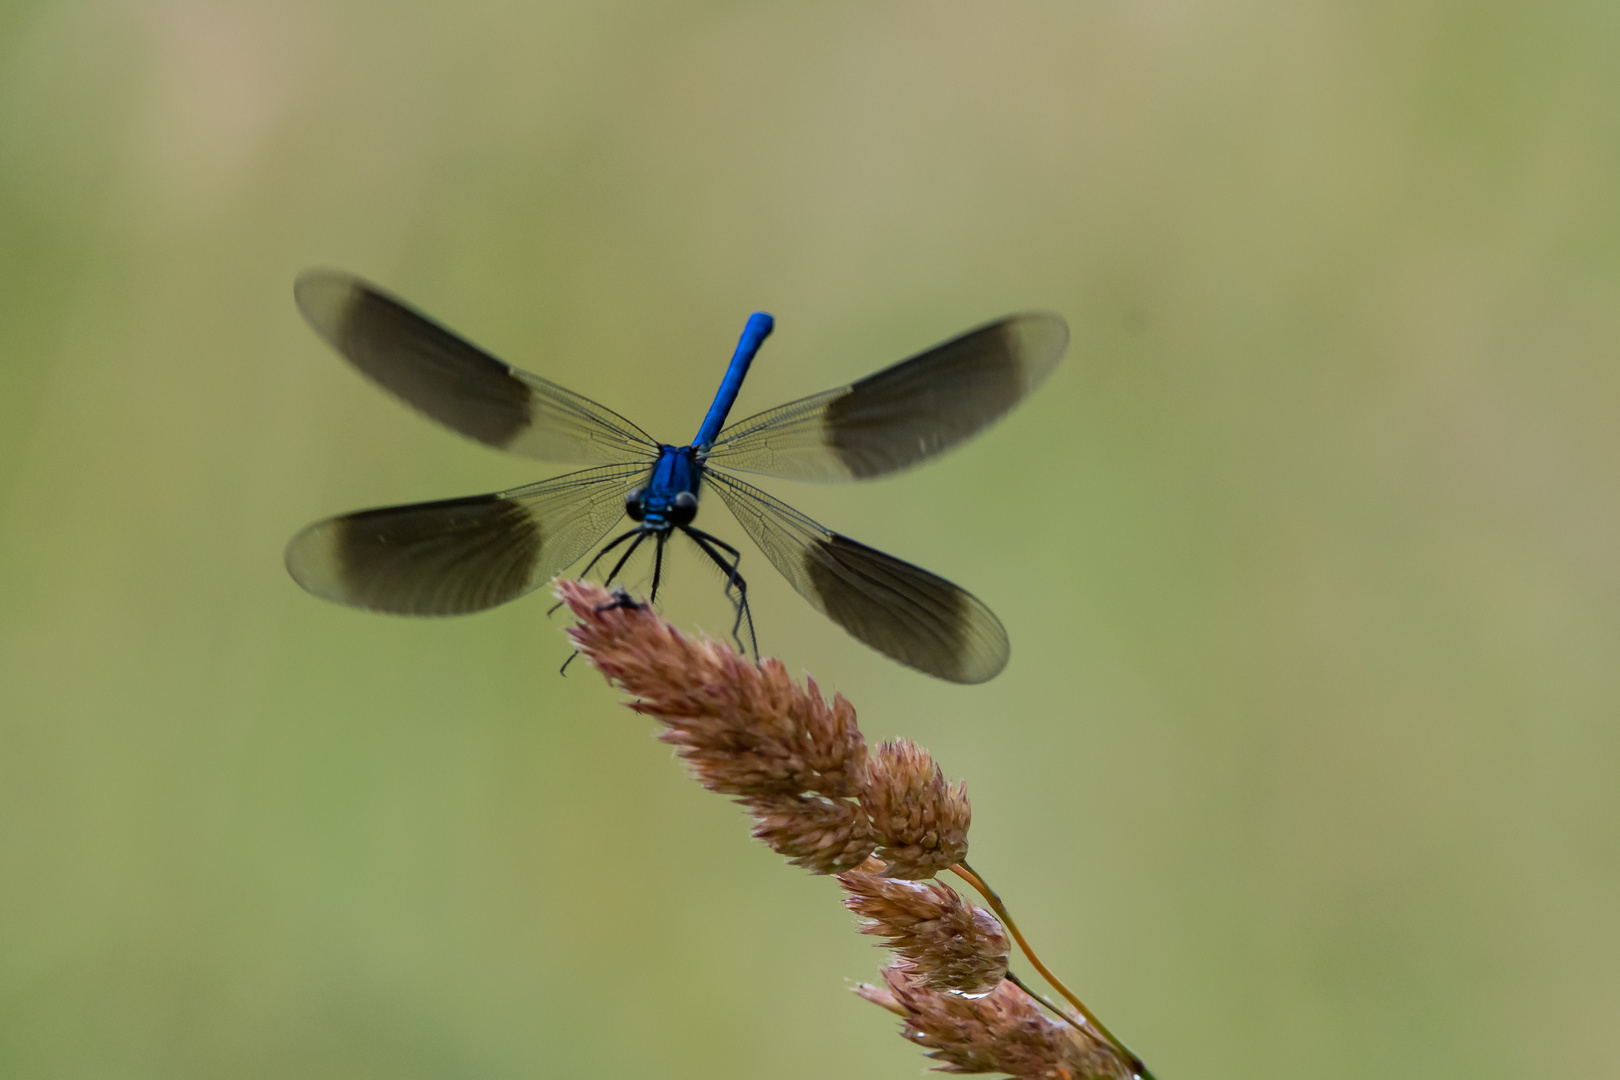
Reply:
x=969, y=875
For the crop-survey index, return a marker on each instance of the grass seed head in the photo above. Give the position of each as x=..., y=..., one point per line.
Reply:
x=825, y=836
x=920, y=820
x=744, y=729
x=1004, y=1031
x=949, y=943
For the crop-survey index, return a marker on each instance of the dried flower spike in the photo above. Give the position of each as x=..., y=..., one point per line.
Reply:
x=749, y=730
x=1004, y=1031
x=799, y=765
x=948, y=943
x=825, y=836
x=921, y=822
x=744, y=729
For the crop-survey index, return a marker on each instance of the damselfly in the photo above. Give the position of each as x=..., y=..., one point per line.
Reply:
x=464, y=555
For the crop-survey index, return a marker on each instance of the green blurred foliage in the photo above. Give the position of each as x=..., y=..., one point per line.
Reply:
x=1305, y=763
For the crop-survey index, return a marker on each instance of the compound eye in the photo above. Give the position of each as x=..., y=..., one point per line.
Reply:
x=684, y=508
x=632, y=504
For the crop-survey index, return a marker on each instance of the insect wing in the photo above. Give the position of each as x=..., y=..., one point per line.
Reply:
x=459, y=555
x=901, y=610
x=458, y=384
x=903, y=414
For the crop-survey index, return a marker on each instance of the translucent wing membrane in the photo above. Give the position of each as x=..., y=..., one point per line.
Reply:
x=902, y=414
x=460, y=555
x=902, y=611
x=457, y=383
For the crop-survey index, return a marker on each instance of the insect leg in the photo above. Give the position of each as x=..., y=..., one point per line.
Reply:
x=615, y=542
x=734, y=581
x=629, y=551
x=621, y=600
x=609, y=546
x=658, y=564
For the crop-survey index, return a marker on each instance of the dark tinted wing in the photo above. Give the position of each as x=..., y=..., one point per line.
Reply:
x=460, y=555
x=902, y=611
x=902, y=414
x=456, y=382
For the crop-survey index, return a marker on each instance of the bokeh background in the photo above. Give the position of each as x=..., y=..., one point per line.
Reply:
x=1306, y=760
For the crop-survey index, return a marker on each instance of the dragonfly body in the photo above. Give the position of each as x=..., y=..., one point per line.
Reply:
x=659, y=505
x=667, y=502
x=463, y=555
x=669, y=499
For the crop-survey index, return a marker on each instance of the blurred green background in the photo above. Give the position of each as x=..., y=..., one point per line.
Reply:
x=1305, y=763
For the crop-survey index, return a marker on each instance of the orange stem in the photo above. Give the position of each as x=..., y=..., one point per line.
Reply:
x=967, y=874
